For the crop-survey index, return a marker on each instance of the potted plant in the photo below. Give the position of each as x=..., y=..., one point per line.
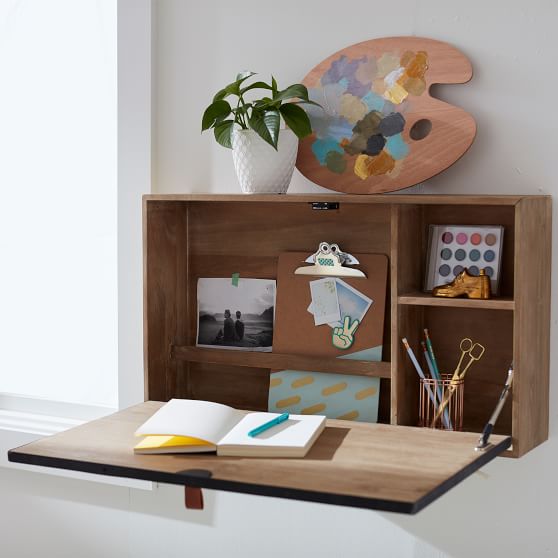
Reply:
x=264, y=154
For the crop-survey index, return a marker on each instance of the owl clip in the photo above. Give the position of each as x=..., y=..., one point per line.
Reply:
x=330, y=261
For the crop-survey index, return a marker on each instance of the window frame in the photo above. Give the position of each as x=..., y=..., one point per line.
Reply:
x=23, y=419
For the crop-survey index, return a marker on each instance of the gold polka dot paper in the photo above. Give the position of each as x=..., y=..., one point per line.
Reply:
x=337, y=396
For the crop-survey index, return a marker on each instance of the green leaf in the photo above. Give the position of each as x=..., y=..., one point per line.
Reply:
x=231, y=89
x=215, y=110
x=234, y=87
x=243, y=109
x=293, y=91
x=221, y=94
x=296, y=119
x=266, y=125
x=241, y=76
x=255, y=85
x=308, y=102
x=223, y=133
x=273, y=87
x=265, y=103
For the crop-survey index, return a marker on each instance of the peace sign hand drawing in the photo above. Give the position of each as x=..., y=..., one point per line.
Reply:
x=343, y=337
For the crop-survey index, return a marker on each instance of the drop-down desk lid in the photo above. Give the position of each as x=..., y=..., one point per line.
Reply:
x=376, y=466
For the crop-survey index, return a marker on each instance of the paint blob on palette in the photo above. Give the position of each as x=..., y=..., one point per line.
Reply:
x=452, y=248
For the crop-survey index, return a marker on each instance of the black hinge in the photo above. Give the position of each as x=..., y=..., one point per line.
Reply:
x=324, y=206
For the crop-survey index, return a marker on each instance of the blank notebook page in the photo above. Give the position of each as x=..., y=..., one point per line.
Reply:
x=188, y=417
x=296, y=431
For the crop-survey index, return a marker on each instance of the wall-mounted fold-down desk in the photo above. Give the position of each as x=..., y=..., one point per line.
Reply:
x=375, y=466
x=390, y=465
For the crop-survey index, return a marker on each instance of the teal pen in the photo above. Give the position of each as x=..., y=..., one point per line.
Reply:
x=436, y=376
x=267, y=425
x=431, y=353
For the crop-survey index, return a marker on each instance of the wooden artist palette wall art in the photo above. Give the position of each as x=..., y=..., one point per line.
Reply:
x=380, y=130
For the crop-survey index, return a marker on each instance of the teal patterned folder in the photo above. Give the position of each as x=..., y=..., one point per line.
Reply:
x=339, y=396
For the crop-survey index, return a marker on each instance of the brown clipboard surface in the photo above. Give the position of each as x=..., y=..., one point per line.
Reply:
x=295, y=331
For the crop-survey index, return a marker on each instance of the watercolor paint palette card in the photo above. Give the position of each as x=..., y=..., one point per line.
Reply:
x=451, y=248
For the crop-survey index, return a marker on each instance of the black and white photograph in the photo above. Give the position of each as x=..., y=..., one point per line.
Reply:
x=236, y=313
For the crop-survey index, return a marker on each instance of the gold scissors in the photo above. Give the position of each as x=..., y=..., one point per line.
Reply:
x=475, y=352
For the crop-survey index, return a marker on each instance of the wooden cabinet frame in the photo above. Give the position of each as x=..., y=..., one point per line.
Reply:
x=192, y=236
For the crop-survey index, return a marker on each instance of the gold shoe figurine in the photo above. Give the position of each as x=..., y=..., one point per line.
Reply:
x=470, y=286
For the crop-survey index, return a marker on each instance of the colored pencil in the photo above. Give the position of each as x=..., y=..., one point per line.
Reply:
x=419, y=369
x=436, y=376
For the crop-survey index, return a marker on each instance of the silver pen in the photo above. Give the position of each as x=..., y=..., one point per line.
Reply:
x=483, y=441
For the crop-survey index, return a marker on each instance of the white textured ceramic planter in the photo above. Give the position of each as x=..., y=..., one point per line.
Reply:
x=261, y=169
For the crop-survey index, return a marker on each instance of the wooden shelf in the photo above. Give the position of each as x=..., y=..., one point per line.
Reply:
x=404, y=199
x=424, y=299
x=278, y=361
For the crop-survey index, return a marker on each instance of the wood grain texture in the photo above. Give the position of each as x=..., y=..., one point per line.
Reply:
x=364, y=465
x=237, y=386
x=406, y=226
x=411, y=322
x=531, y=341
x=164, y=295
x=425, y=299
x=453, y=129
x=485, y=379
x=242, y=230
x=284, y=361
x=423, y=199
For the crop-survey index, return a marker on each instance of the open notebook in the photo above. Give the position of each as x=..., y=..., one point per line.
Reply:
x=188, y=426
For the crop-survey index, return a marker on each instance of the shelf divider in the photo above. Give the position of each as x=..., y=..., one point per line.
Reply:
x=280, y=361
x=418, y=298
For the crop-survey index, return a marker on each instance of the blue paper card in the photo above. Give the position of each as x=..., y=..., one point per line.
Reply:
x=338, y=396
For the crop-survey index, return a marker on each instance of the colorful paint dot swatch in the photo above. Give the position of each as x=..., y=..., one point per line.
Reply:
x=460, y=255
x=453, y=248
x=444, y=270
x=476, y=239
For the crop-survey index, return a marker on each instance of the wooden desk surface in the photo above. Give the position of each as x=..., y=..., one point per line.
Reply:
x=375, y=466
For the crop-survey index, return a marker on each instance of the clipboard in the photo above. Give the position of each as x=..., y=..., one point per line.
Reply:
x=295, y=331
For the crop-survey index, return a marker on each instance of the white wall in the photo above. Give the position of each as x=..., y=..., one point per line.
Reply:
x=504, y=510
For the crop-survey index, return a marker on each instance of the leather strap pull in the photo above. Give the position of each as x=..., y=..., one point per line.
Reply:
x=193, y=498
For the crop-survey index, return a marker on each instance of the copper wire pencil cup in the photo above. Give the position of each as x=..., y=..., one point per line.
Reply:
x=428, y=410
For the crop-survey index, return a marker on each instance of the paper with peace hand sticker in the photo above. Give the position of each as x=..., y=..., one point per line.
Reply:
x=343, y=337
